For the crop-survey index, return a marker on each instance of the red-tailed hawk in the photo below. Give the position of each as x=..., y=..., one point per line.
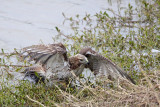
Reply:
x=102, y=66
x=51, y=62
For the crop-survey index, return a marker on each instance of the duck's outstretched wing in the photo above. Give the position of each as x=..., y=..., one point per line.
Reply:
x=102, y=66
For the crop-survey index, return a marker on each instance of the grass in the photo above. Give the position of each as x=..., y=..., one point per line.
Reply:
x=124, y=39
x=145, y=93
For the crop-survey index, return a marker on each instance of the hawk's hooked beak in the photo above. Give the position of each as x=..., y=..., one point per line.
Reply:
x=86, y=61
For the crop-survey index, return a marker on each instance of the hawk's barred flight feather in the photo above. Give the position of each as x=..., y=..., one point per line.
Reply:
x=102, y=66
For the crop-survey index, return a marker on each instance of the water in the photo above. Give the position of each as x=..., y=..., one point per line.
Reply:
x=25, y=23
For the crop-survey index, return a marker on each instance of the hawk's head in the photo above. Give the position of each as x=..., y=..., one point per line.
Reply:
x=77, y=60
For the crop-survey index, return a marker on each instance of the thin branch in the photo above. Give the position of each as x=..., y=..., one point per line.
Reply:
x=35, y=101
x=13, y=65
x=13, y=53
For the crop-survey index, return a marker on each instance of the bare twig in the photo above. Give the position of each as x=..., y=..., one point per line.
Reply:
x=13, y=65
x=35, y=101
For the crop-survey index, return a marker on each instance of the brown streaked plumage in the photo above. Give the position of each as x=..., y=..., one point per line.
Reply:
x=52, y=62
x=76, y=61
x=30, y=74
x=37, y=52
x=102, y=66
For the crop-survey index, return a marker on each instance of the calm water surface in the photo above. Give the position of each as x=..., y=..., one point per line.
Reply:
x=28, y=22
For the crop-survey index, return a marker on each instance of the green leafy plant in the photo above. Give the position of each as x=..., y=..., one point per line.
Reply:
x=127, y=39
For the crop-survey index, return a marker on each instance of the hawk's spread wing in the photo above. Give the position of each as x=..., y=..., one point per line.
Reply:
x=103, y=66
x=43, y=53
x=52, y=57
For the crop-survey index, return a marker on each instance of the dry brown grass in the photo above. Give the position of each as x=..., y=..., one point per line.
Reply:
x=123, y=94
